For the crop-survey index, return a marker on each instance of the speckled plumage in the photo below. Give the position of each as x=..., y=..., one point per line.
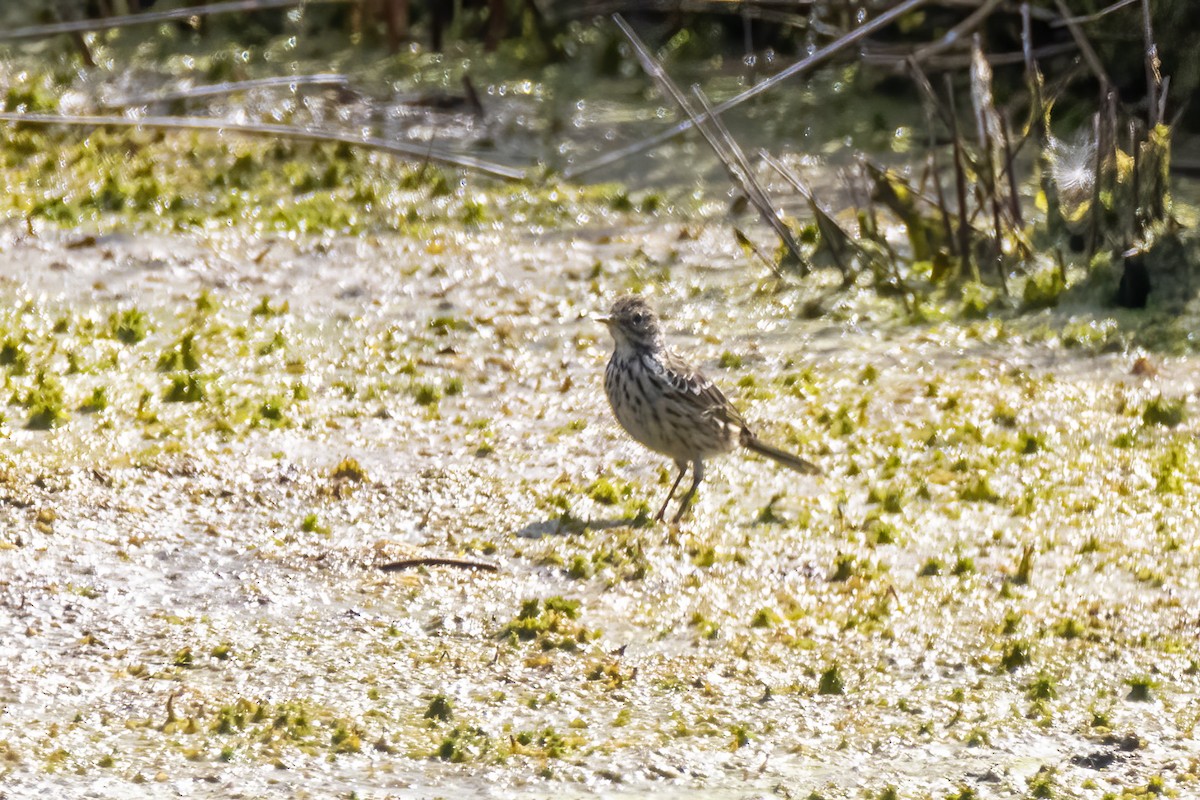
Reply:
x=670, y=406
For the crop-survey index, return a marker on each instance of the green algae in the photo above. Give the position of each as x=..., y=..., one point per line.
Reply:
x=107, y=180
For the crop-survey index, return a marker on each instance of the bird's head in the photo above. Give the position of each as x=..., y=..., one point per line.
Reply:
x=633, y=323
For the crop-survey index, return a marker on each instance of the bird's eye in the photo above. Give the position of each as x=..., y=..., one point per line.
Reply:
x=639, y=318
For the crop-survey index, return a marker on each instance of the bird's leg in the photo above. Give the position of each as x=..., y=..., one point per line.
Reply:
x=697, y=476
x=682, y=469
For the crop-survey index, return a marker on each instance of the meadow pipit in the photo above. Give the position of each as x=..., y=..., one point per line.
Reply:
x=666, y=404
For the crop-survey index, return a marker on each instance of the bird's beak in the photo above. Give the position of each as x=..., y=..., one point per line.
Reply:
x=604, y=318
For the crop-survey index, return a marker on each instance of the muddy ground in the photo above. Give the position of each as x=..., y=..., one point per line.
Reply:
x=992, y=591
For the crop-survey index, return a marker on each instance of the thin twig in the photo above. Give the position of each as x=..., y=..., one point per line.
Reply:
x=932, y=102
x=1058, y=23
x=1098, y=183
x=748, y=243
x=959, y=32
x=896, y=58
x=935, y=171
x=1162, y=103
x=461, y=563
x=757, y=193
x=149, y=17
x=287, y=131
x=862, y=31
x=230, y=87
x=989, y=125
x=996, y=226
x=960, y=190
x=823, y=217
x=424, y=163
x=1010, y=170
x=1033, y=77
x=85, y=52
x=1153, y=68
x=748, y=43
x=560, y=12
x=1085, y=48
x=718, y=139
x=1135, y=228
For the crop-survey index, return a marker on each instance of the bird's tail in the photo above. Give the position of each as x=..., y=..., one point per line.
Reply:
x=797, y=463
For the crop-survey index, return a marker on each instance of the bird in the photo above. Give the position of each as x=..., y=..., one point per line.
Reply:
x=669, y=406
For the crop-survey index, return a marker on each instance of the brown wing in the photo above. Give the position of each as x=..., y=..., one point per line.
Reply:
x=694, y=386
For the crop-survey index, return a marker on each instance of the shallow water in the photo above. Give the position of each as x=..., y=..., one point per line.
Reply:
x=191, y=604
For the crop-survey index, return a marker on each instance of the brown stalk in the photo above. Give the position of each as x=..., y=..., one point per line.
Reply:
x=960, y=189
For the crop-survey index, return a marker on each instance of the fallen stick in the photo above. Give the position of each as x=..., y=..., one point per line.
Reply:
x=286, y=131
x=413, y=563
